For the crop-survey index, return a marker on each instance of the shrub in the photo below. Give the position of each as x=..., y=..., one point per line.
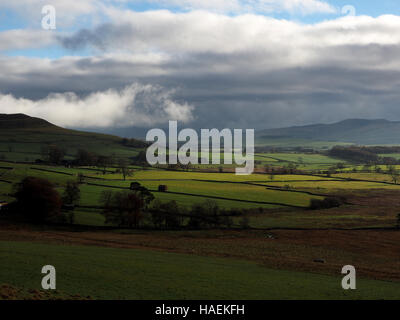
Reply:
x=197, y=214
x=72, y=193
x=166, y=214
x=37, y=199
x=227, y=221
x=326, y=203
x=245, y=222
x=125, y=208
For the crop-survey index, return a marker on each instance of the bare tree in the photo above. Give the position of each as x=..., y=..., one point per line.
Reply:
x=394, y=173
x=72, y=193
x=124, y=167
x=104, y=162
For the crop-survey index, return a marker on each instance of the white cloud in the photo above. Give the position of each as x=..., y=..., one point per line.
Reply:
x=71, y=11
x=275, y=43
x=85, y=13
x=65, y=7
x=135, y=105
x=302, y=6
x=23, y=39
x=243, y=6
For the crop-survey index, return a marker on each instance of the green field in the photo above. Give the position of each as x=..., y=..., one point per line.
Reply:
x=203, y=185
x=299, y=158
x=292, y=143
x=138, y=274
x=332, y=185
x=390, y=155
x=280, y=192
x=303, y=161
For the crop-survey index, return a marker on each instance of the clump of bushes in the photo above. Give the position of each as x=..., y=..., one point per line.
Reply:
x=37, y=201
x=209, y=215
x=166, y=215
x=126, y=208
x=326, y=203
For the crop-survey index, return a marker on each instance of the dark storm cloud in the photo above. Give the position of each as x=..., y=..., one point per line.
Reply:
x=266, y=99
x=250, y=72
x=102, y=37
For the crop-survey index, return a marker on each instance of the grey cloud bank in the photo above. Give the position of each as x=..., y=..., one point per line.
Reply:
x=143, y=105
x=244, y=71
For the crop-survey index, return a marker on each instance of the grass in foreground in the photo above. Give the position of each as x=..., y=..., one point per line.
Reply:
x=108, y=273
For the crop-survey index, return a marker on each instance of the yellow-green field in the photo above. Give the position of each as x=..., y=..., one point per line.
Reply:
x=253, y=192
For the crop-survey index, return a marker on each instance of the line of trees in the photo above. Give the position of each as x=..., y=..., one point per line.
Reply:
x=353, y=153
x=369, y=155
x=55, y=155
x=130, y=208
x=290, y=168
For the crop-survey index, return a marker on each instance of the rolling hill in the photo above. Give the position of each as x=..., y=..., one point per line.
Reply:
x=358, y=131
x=22, y=138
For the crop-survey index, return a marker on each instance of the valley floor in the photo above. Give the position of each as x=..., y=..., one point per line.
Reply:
x=287, y=252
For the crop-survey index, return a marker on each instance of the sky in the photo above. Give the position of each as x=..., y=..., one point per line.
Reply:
x=205, y=63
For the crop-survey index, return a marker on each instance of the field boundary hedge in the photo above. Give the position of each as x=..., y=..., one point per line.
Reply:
x=53, y=171
x=203, y=196
x=83, y=227
x=6, y=168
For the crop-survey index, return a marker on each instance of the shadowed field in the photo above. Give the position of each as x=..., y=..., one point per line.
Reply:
x=147, y=274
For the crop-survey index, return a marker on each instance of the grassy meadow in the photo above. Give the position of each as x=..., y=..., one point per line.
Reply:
x=272, y=201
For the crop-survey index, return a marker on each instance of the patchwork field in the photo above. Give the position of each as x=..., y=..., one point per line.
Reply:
x=276, y=196
x=273, y=259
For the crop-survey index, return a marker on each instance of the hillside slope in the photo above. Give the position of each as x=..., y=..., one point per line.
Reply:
x=357, y=131
x=22, y=138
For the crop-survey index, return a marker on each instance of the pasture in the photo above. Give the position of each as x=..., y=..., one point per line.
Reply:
x=262, y=141
x=272, y=201
x=148, y=274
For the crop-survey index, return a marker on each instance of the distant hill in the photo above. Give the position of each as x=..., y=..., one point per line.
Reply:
x=19, y=120
x=22, y=138
x=358, y=131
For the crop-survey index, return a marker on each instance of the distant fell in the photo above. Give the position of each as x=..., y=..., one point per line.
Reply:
x=22, y=138
x=358, y=131
x=20, y=120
